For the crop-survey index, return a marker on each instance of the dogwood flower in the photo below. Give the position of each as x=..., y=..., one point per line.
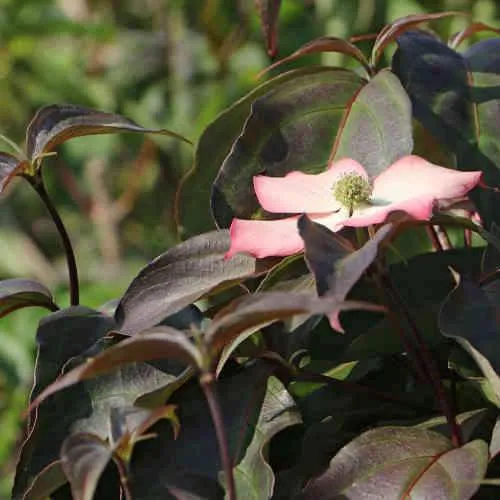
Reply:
x=344, y=195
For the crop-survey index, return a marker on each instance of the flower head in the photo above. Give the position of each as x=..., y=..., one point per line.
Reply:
x=342, y=196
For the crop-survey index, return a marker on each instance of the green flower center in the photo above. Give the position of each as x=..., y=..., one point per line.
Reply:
x=351, y=190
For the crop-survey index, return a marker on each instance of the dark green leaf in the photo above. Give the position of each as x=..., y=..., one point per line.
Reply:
x=9, y=167
x=179, y=277
x=470, y=316
x=290, y=128
x=191, y=462
x=396, y=462
x=161, y=342
x=376, y=129
x=456, y=99
x=269, y=12
x=393, y=30
x=84, y=457
x=193, y=198
x=54, y=124
x=491, y=256
x=253, y=476
x=335, y=268
x=18, y=293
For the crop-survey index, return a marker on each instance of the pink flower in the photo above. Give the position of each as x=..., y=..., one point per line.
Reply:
x=342, y=196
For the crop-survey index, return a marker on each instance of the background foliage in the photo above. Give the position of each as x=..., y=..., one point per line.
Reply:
x=165, y=64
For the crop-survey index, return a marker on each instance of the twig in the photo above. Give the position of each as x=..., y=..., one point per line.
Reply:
x=39, y=186
x=207, y=382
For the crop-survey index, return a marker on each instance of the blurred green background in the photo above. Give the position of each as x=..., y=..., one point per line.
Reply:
x=164, y=63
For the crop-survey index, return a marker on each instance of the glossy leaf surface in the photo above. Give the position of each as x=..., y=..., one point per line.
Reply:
x=395, y=462
x=291, y=128
x=179, y=277
x=376, y=129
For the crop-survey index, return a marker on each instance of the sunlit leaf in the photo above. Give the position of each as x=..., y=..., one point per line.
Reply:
x=376, y=129
x=469, y=31
x=193, y=197
x=391, y=31
x=290, y=128
x=254, y=476
x=179, y=277
x=269, y=12
x=324, y=44
x=18, y=293
x=398, y=462
x=84, y=457
x=54, y=124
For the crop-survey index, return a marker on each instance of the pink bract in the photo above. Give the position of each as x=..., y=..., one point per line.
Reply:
x=411, y=184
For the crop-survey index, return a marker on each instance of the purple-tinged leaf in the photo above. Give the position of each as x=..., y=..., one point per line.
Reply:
x=469, y=31
x=179, y=277
x=269, y=13
x=376, y=129
x=84, y=457
x=336, y=268
x=470, y=315
x=399, y=462
x=66, y=338
x=192, y=200
x=161, y=342
x=18, y=293
x=391, y=31
x=54, y=124
x=44, y=483
x=10, y=166
x=290, y=128
x=324, y=44
x=191, y=462
x=264, y=308
x=253, y=476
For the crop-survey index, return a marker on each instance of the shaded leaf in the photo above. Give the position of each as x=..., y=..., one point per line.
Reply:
x=254, y=477
x=391, y=31
x=456, y=98
x=495, y=440
x=179, y=277
x=395, y=462
x=65, y=339
x=324, y=44
x=264, y=308
x=54, y=124
x=193, y=197
x=84, y=457
x=45, y=482
x=290, y=128
x=161, y=342
x=470, y=316
x=376, y=129
x=18, y=293
x=9, y=167
x=269, y=12
x=335, y=268
x=191, y=462
x=491, y=256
